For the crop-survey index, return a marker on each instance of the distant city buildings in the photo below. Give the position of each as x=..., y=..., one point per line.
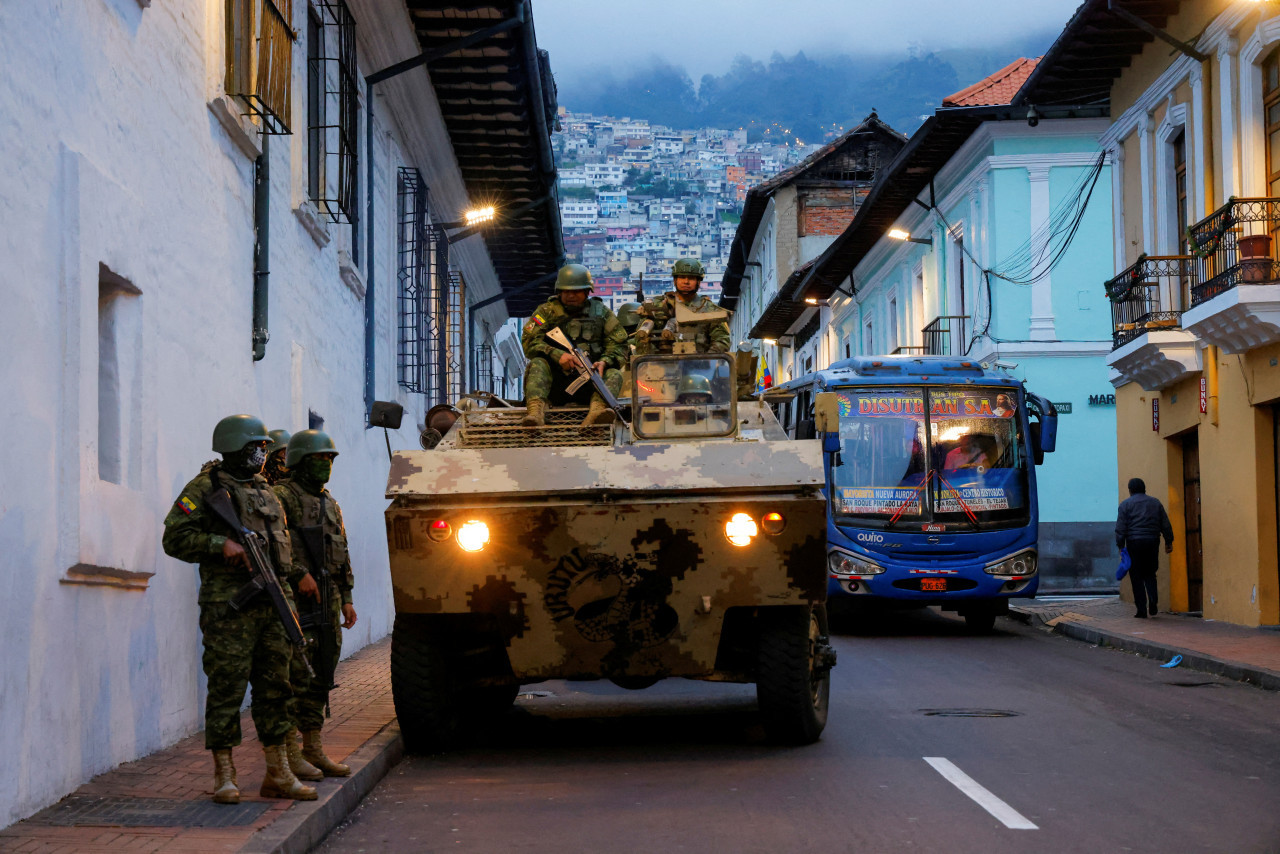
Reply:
x=636, y=197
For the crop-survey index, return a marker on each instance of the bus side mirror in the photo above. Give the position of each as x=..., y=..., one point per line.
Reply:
x=805, y=429
x=1044, y=431
x=1037, y=452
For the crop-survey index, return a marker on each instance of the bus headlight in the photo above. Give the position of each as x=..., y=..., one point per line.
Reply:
x=1022, y=563
x=473, y=536
x=843, y=563
x=741, y=529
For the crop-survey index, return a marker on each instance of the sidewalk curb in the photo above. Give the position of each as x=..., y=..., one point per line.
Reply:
x=306, y=824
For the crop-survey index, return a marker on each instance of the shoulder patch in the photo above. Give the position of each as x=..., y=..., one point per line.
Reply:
x=186, y=505
x=539, y=319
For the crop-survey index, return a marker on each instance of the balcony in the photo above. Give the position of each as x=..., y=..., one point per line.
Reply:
x=945, y=336
x=1149, y=346
x=910, y=350
x=1236, y=307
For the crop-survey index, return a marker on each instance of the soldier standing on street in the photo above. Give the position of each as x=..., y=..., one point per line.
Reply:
x=249, y=645
x=590, y=325
x=322, y=587
x=275, y=471
x=686, y=275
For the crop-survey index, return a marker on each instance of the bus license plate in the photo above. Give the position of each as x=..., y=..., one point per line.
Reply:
x=933, y=584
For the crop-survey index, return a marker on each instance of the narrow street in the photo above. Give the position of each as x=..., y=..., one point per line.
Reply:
x=1104, y=751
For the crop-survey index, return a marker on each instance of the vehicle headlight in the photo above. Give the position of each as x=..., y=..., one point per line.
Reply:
x=1022, y=563
x=473, y=535
x=843, y=563
x=741, y=529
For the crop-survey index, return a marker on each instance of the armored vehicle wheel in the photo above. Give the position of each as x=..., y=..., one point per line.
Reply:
x=423, y=689
x=793, y=680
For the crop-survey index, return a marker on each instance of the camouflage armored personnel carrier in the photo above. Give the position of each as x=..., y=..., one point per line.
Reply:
x=686, y=539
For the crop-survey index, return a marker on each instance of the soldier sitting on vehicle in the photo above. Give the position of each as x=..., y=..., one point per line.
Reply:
x=593, y=328
x=686, y=276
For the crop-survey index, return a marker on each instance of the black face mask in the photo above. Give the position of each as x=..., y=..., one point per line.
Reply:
x=246, y=462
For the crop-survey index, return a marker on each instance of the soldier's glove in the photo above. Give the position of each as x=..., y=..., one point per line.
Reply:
x=669, y=331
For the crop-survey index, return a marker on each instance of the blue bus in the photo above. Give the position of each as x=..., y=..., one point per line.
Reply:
x=931, y=480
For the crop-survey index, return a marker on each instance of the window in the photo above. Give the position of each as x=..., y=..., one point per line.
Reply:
x=1271, y=113
x=119, y=382
x=893, y=323
x=332, y=107
x=868, y=339
x=259, y=48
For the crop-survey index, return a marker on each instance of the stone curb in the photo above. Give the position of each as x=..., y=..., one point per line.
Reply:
x=306, y=824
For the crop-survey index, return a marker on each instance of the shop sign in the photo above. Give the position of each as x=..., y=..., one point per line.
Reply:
x=1155, y=414
x=1102, y=400
x=1204, y=395
x=1063, y=408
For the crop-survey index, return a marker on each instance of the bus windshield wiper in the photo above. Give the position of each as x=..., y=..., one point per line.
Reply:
x=968, y=511
x=893, y=520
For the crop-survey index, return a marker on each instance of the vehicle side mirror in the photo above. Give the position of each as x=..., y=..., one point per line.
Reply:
x=386, y=414
x=1037, y=451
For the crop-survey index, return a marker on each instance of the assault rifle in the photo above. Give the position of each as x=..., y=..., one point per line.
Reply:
x=316, y=615
x=586, y=372
x=263, y=575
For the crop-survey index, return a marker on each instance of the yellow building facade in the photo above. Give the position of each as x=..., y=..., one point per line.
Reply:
x=1194, y=99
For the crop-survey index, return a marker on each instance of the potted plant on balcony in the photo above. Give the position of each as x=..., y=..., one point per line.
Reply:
x=1255, y=258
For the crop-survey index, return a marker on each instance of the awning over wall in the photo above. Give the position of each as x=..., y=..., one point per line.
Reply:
x=498, y=100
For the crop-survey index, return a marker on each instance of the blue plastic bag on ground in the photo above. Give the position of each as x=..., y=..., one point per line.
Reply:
x=1124, y=564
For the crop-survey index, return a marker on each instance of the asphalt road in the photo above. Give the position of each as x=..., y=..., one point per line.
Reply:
x=1104, y=752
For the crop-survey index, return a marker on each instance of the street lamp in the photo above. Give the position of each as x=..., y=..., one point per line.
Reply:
x=476, y=216
x=899, y=234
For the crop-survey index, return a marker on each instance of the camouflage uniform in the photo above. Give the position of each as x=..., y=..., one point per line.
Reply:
x=239, y=646
x=307, y=507
x=708, y=337
x=595, y=330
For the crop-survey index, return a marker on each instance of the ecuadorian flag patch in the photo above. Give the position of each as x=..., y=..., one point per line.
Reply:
x=538, y=319
x=186, y=504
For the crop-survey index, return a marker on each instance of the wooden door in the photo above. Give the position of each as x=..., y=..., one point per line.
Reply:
x=1191, y=511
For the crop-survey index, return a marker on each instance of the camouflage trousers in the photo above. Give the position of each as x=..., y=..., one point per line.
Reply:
x=311, y=693
x=550, y=383
x=242, y=648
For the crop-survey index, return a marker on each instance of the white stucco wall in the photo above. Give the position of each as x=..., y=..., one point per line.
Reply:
x=113, y=157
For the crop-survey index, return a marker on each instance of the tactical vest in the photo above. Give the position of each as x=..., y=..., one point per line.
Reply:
x=259, y=511
x=587, y=329
x=320, y=511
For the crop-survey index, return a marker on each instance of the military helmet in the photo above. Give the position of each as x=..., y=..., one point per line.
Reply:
x=279, y=441
x=574, y=277
x=307, y=442
x=694, y=384
x=629, y=315
x=688, y=267
x=235, y=431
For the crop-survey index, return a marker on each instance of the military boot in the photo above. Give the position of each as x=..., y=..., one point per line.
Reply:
x=313, y=750
x=536, y=416
x=598, y=413
x=279, y=781
x=224, y=778
x=298, y=764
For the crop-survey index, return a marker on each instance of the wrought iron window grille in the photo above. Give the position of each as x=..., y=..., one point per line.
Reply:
x=455, y=340
x=333, y=105
x=1223, y=243
x=944, y=336
x=259, y=53
x=483, y=354
x=1138, y=304
x=418, y=331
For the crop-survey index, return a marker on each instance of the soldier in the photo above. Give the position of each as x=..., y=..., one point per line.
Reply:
x=322, y=589
x=629, y=316
x=275, y=471
x=686, y=275
x=593, y=328
x=249, y=645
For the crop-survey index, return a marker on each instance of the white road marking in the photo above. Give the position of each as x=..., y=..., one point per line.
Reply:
x=1006, y=814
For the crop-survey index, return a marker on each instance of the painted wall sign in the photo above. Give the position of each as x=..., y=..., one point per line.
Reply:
x=1204, y=395
x=1063, y=408
x=1102, y=400
x=1155, y=414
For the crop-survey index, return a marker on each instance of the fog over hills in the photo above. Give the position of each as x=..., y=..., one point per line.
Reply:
x=798, y=97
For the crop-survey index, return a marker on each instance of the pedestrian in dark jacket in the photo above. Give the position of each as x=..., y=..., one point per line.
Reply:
x=1140, y=522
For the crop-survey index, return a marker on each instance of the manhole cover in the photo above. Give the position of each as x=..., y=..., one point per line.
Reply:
x=87, y=811
x=533, y=695
x=968, y=713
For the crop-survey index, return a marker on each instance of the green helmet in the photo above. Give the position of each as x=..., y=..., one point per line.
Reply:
x=235, y=431
x=279, y=441
x=307, y=442
x=629, y=315
x=574, y=277
x=694, y=384
x=688, y=267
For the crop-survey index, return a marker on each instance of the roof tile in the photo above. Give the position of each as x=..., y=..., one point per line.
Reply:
x=999, y=88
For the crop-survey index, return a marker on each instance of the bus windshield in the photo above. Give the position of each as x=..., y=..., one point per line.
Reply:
x=940, y=458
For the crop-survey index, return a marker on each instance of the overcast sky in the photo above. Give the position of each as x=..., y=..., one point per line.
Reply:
x=705, y=35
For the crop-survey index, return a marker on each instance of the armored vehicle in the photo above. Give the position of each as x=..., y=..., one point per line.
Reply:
x=686, y=539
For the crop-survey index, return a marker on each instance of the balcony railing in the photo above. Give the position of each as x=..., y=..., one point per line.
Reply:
x=1235, y=243
x=945, y=336
x=910, y=349
x=1137, y=304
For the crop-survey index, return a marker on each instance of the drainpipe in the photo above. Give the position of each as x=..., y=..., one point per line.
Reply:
x=370, y=316
x=262, y=234
x=1211, y=355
